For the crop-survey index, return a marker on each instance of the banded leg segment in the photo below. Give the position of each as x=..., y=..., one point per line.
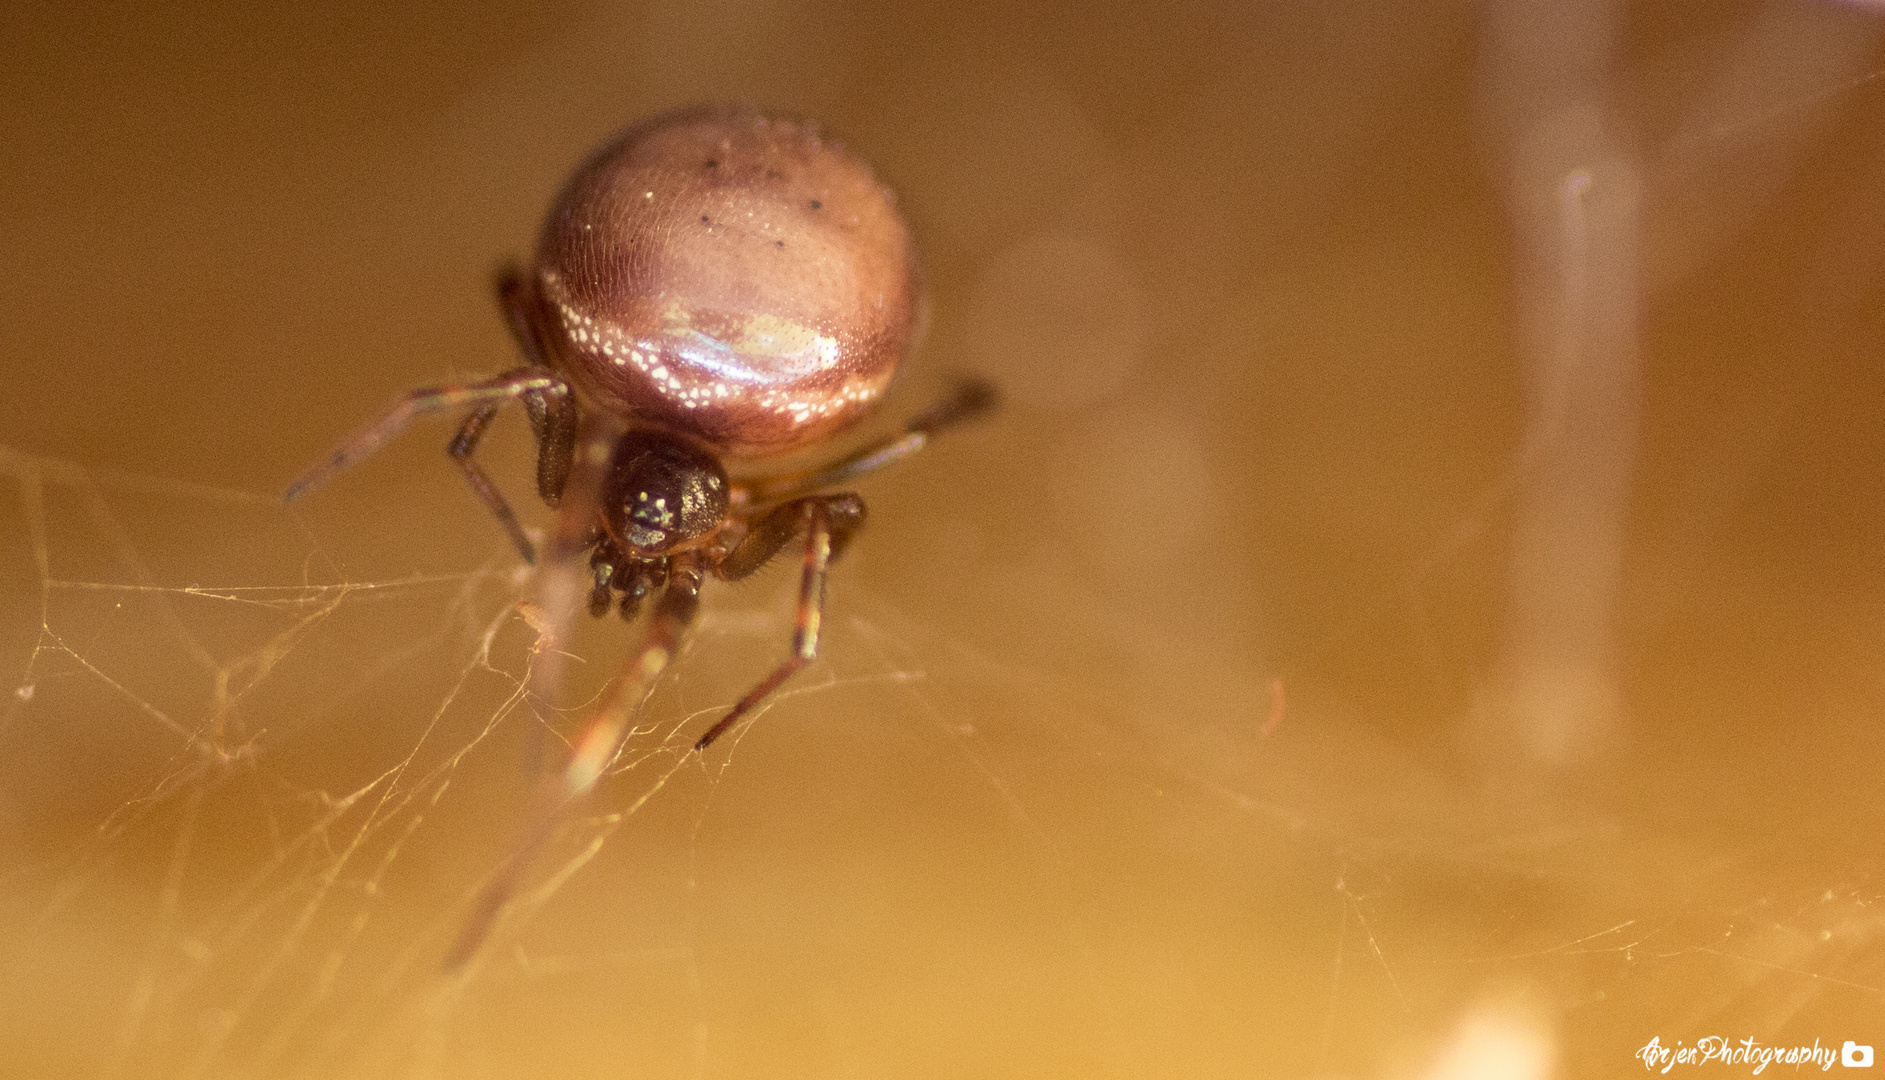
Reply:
x=369, y=438
x=564, y=581
x=828, y=522
x=596, y=745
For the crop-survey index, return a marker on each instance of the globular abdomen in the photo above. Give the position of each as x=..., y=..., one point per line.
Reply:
x=732, y=275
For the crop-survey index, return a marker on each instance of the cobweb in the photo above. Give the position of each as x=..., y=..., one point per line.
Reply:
x=227, y=782
x=1031, y=820
x=250, y=797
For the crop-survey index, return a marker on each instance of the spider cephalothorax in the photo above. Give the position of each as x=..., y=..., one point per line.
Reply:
x=663, y=494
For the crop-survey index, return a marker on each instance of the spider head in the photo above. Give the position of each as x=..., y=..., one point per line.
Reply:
x=662, y=491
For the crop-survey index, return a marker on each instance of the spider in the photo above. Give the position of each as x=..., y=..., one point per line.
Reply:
x=714, y=283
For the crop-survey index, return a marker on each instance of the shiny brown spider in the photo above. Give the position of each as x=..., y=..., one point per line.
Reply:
x=714, y=282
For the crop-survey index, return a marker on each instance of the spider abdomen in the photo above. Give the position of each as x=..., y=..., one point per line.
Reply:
x=731, y=275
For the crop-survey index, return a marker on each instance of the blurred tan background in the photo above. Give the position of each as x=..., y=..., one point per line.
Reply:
x=1420, y=610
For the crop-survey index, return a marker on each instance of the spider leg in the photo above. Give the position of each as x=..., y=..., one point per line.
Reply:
x=563, y=584
x=516, y=298
x=462, y=446
x=512, y=384
x=552, y=415
x=971, y=398
x=829, y=522
x=595, y=747
x=556, y=442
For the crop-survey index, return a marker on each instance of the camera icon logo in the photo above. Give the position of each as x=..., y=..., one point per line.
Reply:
x=1854, y=1056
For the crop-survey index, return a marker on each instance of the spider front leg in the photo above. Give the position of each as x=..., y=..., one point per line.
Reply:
x=829, y=522
x=512, y=384
x=673, y=613
x=563, y=582
x=553, y=417
x=461, y=448
x=595, y=746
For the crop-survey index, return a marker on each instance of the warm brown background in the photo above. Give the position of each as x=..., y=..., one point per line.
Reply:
x=1252, y=277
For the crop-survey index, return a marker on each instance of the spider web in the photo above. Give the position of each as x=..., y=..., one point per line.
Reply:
x=255, y=764
x=249, y=817
x=220, y=808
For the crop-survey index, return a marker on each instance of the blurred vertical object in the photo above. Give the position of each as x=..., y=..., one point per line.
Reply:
x=1595, y=223
x=1572, y=192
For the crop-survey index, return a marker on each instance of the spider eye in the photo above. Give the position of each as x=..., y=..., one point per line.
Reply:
x=663, y=492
